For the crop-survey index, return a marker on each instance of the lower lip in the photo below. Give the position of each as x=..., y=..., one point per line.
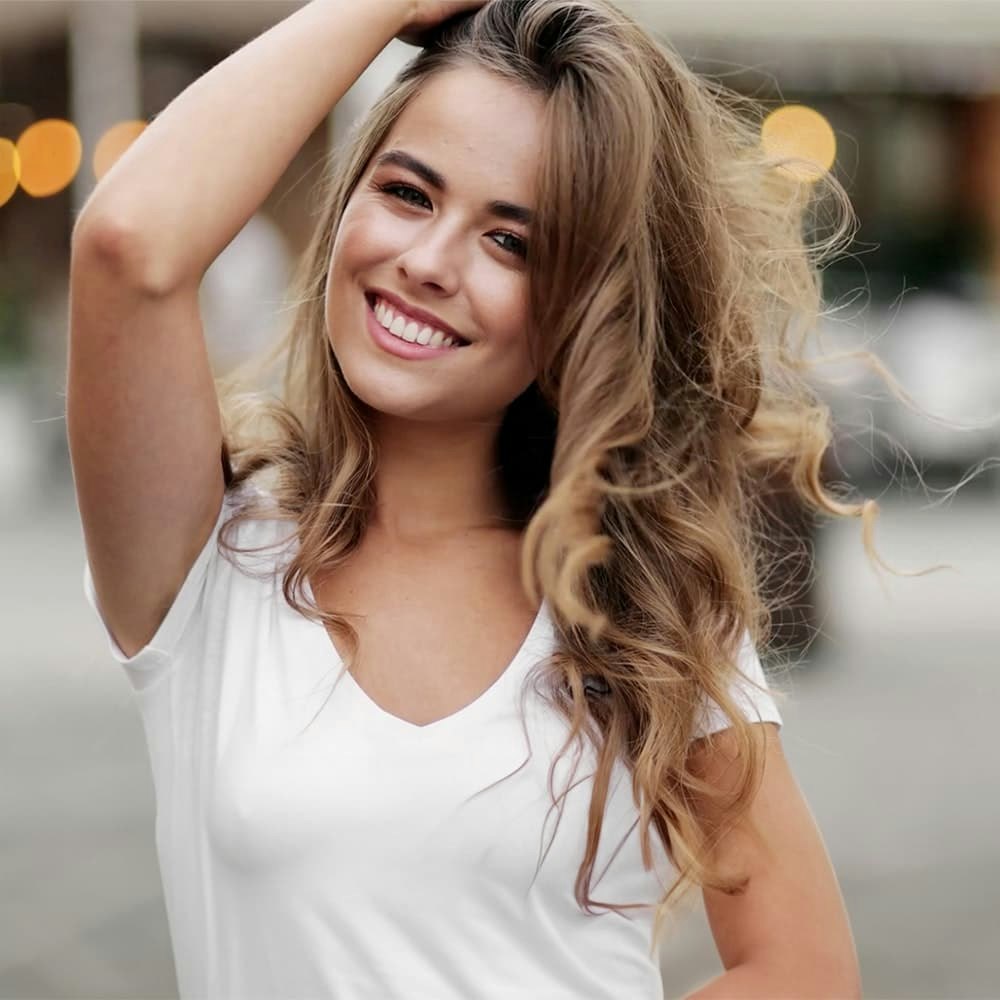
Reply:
x=401, y=348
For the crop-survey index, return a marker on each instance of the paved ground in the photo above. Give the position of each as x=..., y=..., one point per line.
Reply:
x=891, y=731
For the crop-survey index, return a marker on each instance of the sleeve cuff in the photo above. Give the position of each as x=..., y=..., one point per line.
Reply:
x=754, y=704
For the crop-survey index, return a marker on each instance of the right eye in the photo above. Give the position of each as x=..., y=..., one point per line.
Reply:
x=394, y=188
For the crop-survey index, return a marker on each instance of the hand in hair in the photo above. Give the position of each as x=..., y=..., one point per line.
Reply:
x=427, y=16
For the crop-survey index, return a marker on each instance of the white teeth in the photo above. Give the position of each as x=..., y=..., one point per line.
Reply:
x=410, y=331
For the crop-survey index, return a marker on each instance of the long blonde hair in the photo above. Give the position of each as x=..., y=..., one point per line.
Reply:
x=672, y=286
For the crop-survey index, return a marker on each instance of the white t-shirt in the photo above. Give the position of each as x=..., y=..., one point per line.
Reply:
x=365, y=857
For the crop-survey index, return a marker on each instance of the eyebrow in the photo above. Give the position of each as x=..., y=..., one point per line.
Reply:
x=502, y=209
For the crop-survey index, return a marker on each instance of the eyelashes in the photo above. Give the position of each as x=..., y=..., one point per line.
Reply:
x=397, y=190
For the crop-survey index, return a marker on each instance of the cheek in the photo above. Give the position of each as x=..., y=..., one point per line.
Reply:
x=347, y=258
x=366, y=236
x=518, y=362
x=511, y=309
x=502, y=297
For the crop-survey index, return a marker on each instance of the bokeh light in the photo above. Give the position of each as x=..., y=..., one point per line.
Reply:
x=801, y=132
x=10, y=170
x=113, y=143
x=50, y=152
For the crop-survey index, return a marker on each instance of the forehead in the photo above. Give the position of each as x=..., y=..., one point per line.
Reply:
x=481, y=132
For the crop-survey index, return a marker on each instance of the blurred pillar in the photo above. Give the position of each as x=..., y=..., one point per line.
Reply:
x=104, y=88
x=104, y=77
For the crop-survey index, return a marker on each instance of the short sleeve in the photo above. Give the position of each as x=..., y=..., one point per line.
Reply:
x=164, y=644
x=756, y=705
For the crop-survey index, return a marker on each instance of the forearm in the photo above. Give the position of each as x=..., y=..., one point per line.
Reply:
x=205, y=164
x=759, y=982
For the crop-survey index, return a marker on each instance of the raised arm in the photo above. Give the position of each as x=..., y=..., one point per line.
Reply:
x=142, y=414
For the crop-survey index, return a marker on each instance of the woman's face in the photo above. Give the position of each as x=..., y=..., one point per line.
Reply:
x=443, y=249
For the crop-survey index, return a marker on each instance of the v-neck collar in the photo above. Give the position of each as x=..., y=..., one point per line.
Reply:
x=478, y=709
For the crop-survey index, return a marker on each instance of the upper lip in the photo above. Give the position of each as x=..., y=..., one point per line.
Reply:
x=414, y=313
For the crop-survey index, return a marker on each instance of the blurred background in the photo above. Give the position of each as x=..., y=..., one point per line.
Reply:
x=893, y=683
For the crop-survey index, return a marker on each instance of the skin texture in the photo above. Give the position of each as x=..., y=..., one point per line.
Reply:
x=789, y=935
x=435, y=421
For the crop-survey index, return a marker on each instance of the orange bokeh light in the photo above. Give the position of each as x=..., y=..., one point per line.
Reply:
x=50, y=153
x=10, y=170
x=113, y=143
x=797, y=131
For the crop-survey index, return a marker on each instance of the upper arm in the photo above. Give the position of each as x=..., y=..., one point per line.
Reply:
x=791, y=917
x=144, y=434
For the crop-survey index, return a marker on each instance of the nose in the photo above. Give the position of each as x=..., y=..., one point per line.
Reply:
x=431, y=259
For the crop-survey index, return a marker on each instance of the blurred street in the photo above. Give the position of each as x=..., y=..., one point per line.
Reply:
x=890, y=729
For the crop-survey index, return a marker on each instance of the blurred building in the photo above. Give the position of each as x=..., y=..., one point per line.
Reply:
x=912, y=90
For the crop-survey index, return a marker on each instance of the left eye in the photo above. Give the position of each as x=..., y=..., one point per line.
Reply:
x=520, y=249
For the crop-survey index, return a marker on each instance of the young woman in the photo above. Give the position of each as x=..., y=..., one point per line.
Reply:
x=498, y=707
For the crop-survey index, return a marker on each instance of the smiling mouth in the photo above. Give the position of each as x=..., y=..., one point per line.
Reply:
x=372, y=300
